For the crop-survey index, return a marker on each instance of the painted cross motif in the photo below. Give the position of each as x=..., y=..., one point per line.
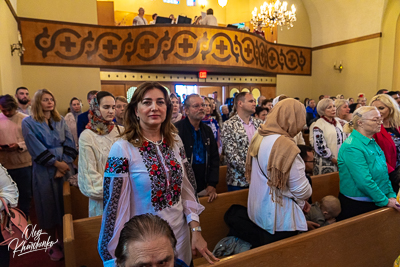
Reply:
x=67, y=44
x=185, y=45
x=291, y=60
x=109, y=47
x=147, y=46
x=248, y=50
x=221, y=47
x=272, y=58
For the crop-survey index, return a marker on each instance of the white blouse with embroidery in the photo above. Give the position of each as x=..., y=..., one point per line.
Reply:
x=148, y=179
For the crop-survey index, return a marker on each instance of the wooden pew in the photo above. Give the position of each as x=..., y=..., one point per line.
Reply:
x=371, y=239
x=325, y=184
x=212, y=221
x=80, y=241
x=222, y=187
x=75, y=202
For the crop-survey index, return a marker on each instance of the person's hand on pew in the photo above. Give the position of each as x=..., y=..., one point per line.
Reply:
x=212, y=193
x=312, y=225
x=393, y=204
x=334, y=161
x=200, y=244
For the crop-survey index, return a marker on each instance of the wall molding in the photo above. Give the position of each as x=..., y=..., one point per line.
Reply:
x=349, y=41
x=10, y=6
x=123, y=76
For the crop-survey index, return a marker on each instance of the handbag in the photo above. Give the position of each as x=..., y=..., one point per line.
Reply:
x=13, y=226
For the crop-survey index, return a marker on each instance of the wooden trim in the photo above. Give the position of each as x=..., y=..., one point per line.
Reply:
x=349, y=41
x=12, y=10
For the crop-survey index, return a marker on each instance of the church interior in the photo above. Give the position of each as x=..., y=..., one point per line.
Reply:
x=70, y=47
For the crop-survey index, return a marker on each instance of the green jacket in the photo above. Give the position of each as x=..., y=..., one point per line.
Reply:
x=363, y=171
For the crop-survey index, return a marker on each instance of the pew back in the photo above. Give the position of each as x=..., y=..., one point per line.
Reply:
x=370, y=239
x=80, y=241
x=222, y=186
x=212, y=221
x=75, y=202
x=325, y=184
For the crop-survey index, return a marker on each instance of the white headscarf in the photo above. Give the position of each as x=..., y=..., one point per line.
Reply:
x=276, y=100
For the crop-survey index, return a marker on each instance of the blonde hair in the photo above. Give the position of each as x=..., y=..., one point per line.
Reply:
x=331, y=204
x=338, y=103
x=394, y=115
x=322, y=105
x=357, y=116
x=37, y=110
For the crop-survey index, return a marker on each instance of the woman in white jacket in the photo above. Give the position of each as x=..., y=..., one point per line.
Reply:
x=9, y=192
x=94, y=145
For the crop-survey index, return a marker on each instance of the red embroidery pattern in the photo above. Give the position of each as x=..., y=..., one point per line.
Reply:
x=165, y=192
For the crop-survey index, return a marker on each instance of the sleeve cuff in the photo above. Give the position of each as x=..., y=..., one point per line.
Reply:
x=22, y=147
x=192, y=217
x=382, y=203
x=45, y=158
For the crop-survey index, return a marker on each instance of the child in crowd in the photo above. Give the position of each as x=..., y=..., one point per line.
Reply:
x=324, y=212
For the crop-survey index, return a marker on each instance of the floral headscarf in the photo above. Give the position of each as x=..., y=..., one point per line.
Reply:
x=96, y=121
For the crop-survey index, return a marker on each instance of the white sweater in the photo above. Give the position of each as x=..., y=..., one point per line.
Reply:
x=93, y=154
x=270, y=215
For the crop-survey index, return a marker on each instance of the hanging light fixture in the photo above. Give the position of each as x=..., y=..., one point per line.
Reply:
x=222, y=3
x=274, y=14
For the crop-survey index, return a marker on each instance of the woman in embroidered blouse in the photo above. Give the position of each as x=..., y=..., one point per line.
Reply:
x=326, y=136
x=212, y=122
x=389, y=137
x=72, y=117
x=9, y=192
x=52, y=148
x=94, y=145
x=364, y=179
x=176, y=115
x=342, y=111
x=147, y=172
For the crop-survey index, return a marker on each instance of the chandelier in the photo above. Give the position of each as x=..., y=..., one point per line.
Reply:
x=274, y=14
x=222, y=3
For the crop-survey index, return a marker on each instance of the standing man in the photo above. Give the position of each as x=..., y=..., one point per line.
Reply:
x=200, y=147
x=139, y=19
x=22, y=95
x=83, y=119
x=217, y=102
x=14, y=155
x=236, y=137
x=120, y=106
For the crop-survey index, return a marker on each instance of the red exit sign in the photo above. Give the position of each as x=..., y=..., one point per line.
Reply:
x=203, y=74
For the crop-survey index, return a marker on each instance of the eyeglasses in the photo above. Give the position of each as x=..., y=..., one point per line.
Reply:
x=377, y=121
x=198, y=106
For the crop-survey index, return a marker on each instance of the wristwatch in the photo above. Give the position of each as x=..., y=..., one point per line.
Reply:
x=196, y=229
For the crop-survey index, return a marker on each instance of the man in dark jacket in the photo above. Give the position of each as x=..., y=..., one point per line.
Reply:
x=200, y=147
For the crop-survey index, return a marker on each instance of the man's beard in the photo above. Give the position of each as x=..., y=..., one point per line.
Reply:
x=23, y=101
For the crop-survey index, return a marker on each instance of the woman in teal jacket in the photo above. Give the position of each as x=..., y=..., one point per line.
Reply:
x=364, y=179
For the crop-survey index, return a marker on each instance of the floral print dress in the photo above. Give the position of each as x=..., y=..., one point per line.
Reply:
x=147, y=179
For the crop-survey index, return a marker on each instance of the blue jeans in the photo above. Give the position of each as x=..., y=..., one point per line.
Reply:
x=23, y=178
x=235, y=188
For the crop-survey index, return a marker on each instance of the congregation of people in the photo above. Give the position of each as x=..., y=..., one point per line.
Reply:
x=144, y=163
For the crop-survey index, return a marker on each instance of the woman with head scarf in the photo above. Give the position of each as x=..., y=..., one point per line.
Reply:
x=71, y=118
x=279, y=189
x=94, y=144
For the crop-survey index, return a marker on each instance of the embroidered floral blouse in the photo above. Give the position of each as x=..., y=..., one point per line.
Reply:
x=320, y=146
x=148, y=179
